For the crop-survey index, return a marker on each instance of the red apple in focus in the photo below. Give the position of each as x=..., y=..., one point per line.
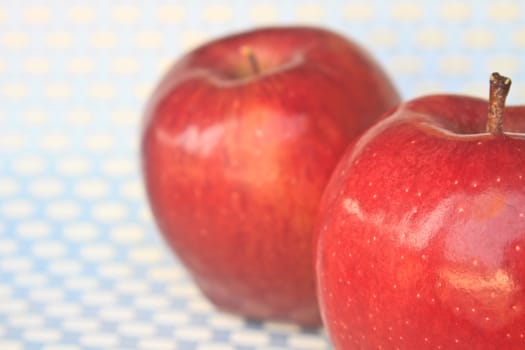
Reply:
x=239, y=140
x=421, y=241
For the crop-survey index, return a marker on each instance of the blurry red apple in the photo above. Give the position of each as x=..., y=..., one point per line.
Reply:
x=422, y=229
x=239, y=140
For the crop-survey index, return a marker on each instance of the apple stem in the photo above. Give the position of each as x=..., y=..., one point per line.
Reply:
x=499, y=89
x=254, y=64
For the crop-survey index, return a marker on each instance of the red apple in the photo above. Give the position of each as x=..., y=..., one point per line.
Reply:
x=421, y=240
x=239, y=140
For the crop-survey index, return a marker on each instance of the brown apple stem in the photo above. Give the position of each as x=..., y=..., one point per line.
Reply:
x=499, y=89
x=254, y=64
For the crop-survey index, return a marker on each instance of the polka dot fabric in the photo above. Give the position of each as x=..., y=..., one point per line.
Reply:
x=81, y=263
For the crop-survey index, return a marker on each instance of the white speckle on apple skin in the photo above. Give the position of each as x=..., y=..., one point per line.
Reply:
x=352, y=207
x=517, y=248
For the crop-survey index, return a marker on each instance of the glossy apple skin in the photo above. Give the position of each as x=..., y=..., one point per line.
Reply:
x=421, y=232
x=235, y=163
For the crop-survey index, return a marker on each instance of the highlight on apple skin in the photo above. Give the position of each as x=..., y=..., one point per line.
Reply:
x=238, y=141
x=421, y=231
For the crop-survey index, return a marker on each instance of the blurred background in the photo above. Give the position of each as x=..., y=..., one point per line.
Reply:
x=81, y=263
